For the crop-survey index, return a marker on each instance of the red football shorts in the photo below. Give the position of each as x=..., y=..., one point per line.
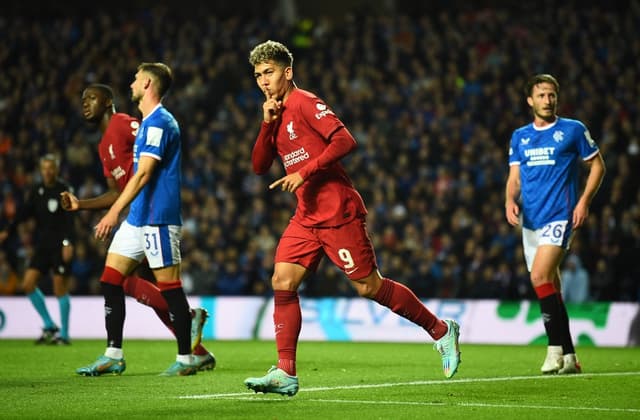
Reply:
x=348, y=246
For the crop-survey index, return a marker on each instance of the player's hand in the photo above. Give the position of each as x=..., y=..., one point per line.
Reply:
x=272, y=108
x=69, y=201
x=580, y=214
x=289, y=183
x=104, y=228
x=512, y=211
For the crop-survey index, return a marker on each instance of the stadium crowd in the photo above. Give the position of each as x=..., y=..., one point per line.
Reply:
x=432, y=100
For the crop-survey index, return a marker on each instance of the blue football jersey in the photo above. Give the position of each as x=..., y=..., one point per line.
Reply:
x=548, y=159
x=158, y=203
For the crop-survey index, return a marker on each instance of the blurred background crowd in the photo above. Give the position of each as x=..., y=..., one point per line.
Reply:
x=431, y=93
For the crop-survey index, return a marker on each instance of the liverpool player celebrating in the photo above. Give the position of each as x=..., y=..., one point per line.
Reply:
x=116, y=153
x=329, y=219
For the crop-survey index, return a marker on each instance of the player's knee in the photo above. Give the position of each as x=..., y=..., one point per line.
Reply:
x=280, y=282
x=29, y=282
x=539, y=278
x=367, y=287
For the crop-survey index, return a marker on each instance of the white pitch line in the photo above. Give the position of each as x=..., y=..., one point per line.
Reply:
x=463, y=404
x=430, y=382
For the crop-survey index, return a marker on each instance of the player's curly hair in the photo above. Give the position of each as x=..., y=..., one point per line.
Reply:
x=271, y=51
x=541, y=78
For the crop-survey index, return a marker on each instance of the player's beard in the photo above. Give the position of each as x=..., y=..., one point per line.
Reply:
x=135, y=97
x=548, y=115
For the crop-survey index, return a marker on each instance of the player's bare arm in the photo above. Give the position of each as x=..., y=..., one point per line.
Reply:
x=146, y=166
x=596, y=174
x=512, y=210
x=70, y=202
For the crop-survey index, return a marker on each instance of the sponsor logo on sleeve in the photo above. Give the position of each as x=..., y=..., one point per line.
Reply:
x=591, y=141
x=323, y=111
x=154, y=135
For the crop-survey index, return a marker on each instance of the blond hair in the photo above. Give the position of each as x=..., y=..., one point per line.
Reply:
x=271, y=51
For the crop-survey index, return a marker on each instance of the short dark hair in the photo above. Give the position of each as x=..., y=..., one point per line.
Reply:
x=541, y=78
x=162, y=73
x=105, y=89
x=271, y=51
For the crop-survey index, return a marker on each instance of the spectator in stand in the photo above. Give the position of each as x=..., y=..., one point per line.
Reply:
x=575, y=281
x=423, y=117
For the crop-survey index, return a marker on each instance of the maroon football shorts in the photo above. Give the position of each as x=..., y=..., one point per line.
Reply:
x=348, y=246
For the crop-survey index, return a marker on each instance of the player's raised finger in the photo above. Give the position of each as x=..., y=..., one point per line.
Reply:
x=276, y=183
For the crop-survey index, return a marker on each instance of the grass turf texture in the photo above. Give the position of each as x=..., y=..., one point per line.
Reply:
x=337, y=381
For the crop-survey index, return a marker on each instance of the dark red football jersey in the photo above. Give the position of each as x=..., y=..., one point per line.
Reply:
x=116, y=148
x=303, y=132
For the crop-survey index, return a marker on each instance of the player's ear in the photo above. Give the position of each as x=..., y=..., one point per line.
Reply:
x=109, y=105
x=530, y=101
x=288, y=73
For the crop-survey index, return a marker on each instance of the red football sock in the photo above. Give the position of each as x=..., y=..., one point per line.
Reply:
x=200, y=350
x=148, y=294
x=287, y=319
x=145, y=292
x=401, y=300
x=544, y=290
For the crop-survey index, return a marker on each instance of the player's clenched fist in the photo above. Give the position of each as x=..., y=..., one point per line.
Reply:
x=512, y=211
x=69, y=201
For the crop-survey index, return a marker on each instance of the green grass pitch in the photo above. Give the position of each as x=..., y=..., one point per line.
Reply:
x=337, y=381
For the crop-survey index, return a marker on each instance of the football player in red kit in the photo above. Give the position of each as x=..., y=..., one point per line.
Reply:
x=329, y=220
x=116, y=153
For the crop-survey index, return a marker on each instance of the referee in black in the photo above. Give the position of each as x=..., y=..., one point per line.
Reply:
x=52, y=240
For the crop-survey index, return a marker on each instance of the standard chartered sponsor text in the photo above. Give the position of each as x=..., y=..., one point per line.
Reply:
x=295, y=157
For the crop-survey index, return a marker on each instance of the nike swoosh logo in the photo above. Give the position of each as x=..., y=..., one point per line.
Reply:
x=351, y=271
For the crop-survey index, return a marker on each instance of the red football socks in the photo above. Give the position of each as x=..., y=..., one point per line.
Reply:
x=145, y=292
x=544, y=290
x=287, y=319
x=401, y=300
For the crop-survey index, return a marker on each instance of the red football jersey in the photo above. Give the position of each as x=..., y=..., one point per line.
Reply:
x=116, y=148
x=302, y=133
